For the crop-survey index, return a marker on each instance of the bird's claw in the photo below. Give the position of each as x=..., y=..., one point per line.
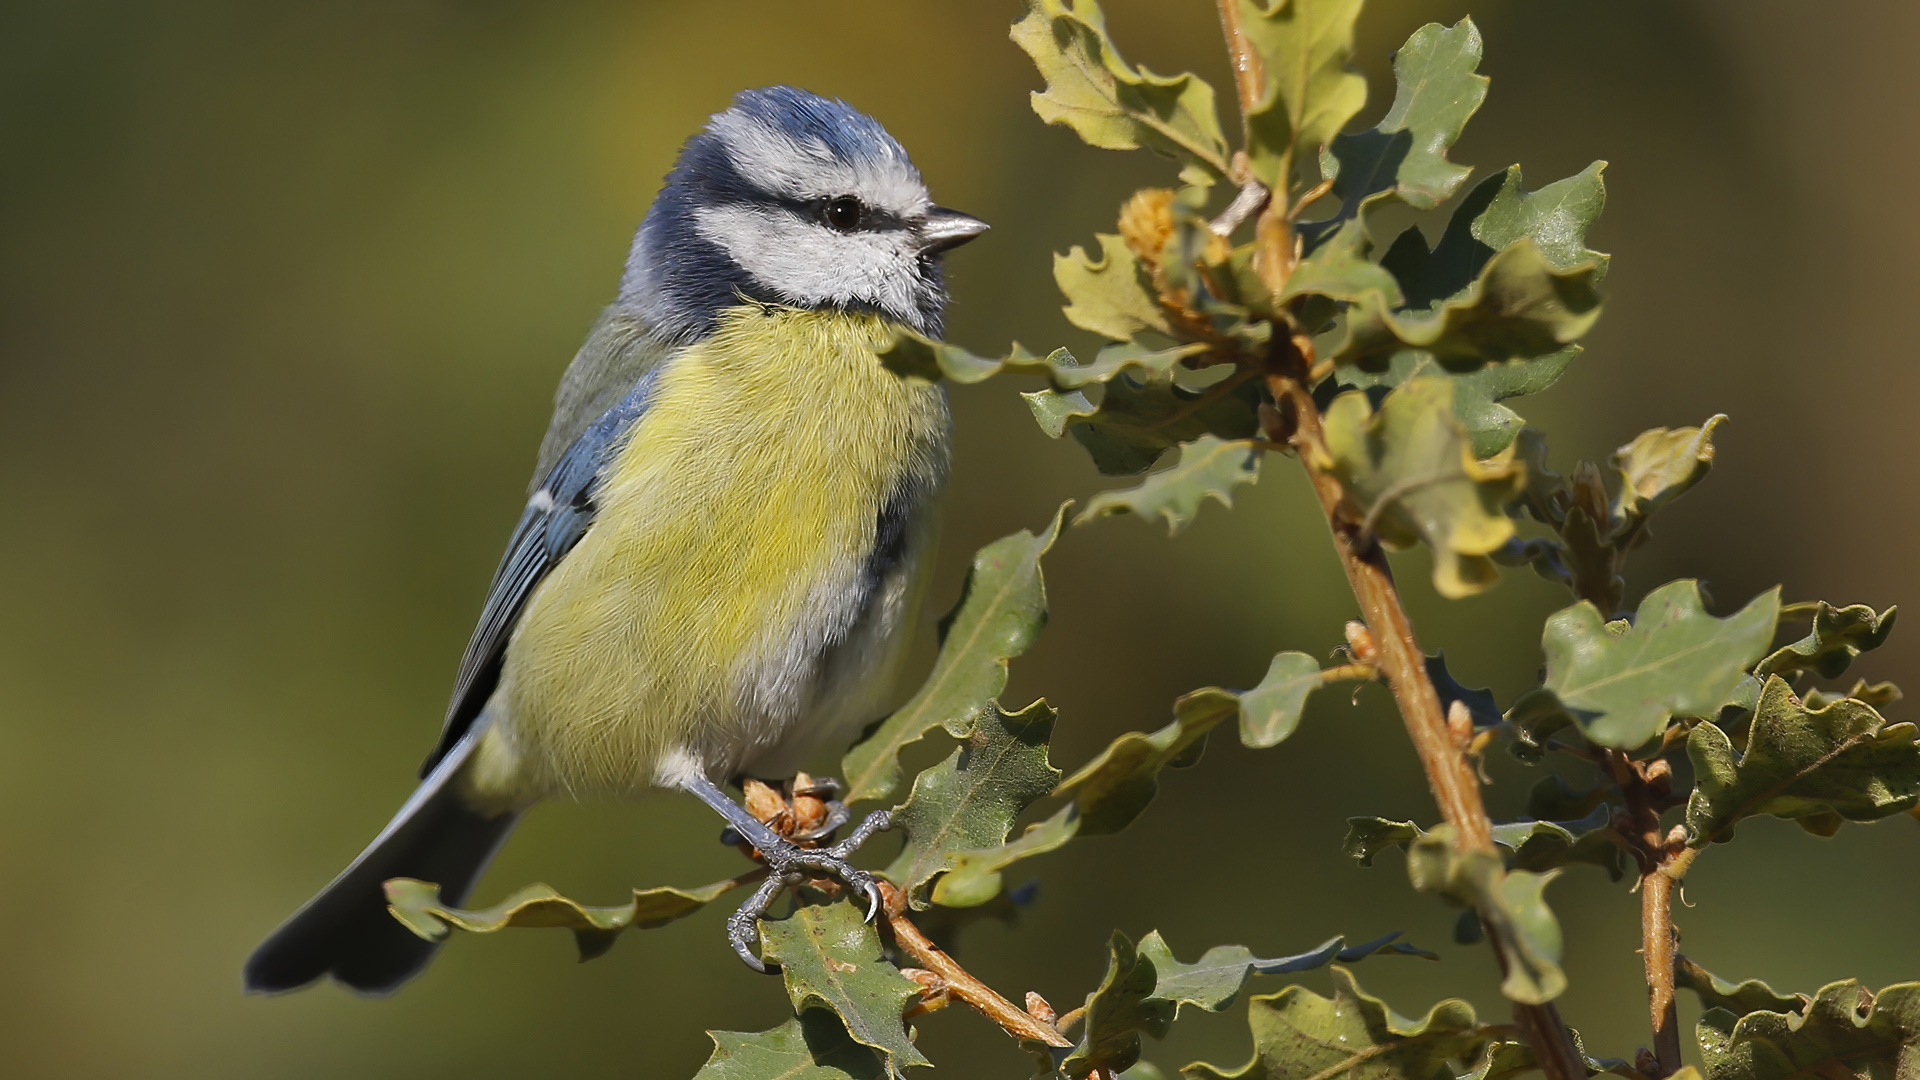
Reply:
x=790, y=864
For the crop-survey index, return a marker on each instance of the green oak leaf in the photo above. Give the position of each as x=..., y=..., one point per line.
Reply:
x=1510, y=905
x=1271, y=711
x=1112, y=789
x=1840, y=762
x=1503, y=1060
x=1108, y=102
x=1002, y=608
x=1622, y=683
x=1553, y=799
x=831, y=958
x=811, y=1046
x=1297, y=1034
x=1369, y=836
x=1511, y=279
x=1737, y=998
x=1109, y=792
x=1339, y=269
x=1208, y=468
x=1520, y=307
x=1477, y=395
x=1111, y=295
x=1216, y=979
x=1310, y=92
x=970, y=800
x=1878, y=694
x=1845, y=1031
x=1117, y=1012
x=1145, y=988
x=1436, y=93
x=1660, y=465
x=1480, y=704
x=1410, y=472
x=919, y=357
x=417, y=905
x=1543, y=845
x=1135, y=421
x=1838, y=636
x=975, y=877
x=1496, y=214
x=1535, y=846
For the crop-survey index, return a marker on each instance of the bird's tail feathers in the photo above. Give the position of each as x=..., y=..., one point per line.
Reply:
x=346, y=931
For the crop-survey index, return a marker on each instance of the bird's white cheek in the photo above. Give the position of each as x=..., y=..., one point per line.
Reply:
x=811, y=264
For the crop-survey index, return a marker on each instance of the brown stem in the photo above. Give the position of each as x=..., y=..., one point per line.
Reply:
x=1296, y=419
x=1249, y=77
x=1658, y=943
x=1663, y=860
x=1012, y=1019
x=1399, y=658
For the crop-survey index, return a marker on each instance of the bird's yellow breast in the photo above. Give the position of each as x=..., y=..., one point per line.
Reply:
x=732, y=533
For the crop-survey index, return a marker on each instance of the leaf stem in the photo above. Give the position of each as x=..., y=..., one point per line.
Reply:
x=959, y=983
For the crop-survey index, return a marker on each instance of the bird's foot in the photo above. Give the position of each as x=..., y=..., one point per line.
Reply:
x=788, y=864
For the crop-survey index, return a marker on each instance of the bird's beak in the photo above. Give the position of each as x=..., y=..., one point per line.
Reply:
x=945, y=229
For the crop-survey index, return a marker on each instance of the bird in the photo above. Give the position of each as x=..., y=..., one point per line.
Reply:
x=726, y=538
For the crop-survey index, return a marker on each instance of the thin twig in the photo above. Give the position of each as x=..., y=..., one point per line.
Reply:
x=1012, y=1019
x=1251, y=198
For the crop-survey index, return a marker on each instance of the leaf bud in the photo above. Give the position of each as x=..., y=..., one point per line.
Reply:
x=1360, y=642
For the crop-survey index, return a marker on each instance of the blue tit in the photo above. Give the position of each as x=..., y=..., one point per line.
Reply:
x=727, y=532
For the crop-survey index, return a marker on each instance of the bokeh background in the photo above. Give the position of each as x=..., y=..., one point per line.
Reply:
x=284, y=291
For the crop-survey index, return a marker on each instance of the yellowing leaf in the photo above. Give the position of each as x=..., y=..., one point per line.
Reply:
x=1107, y=101
x=1410, y=473
x=1310, y=93
x=1111, y=295
x=1660, y=464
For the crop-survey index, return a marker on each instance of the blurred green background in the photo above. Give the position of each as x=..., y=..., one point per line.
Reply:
x=284, y=291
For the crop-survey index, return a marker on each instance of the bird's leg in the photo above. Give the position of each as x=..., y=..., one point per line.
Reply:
x=788, y=864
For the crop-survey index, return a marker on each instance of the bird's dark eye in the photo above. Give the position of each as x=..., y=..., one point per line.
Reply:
x=843, y=213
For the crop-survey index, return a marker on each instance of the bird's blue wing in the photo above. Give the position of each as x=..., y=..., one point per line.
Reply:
x=557, y=515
